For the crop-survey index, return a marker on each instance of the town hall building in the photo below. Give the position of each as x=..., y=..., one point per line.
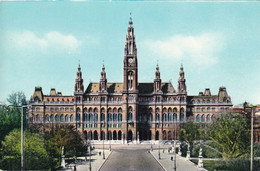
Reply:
x=130, y=110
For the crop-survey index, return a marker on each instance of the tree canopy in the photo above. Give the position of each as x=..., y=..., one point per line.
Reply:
x=10, y=116
x=36, y=156
x=231, y=132
x=68, y=137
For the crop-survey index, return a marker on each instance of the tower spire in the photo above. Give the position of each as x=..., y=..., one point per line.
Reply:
x=103, y=80
x=79, y=87
x=157, y=80
x=181, y=80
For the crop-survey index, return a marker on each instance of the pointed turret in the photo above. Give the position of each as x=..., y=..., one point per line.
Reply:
x=103, y=80
x=79, y=87
x=181, y=81
x=157, y=81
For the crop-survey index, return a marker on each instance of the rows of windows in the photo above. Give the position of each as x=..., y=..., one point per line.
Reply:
x=56, y=118
x=166, y=117
x=208, y=109
x=208, y=101
x=204, y=118
x=111, y=118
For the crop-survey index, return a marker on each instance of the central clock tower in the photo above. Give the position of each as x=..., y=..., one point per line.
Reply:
x=130, y=62
x=130, y=86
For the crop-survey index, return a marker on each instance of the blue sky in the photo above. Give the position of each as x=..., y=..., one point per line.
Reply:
x=218, y=43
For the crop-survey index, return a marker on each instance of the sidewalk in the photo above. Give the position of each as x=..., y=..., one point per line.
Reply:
x=181, y=163
x=96, y=161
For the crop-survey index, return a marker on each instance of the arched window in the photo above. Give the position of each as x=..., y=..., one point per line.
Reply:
x=56, y=118
x=165, y=117
x=198, y=118
x=114, y=117
x=208, y=118
x=71, y=118
x=130, y=116
x=120, y=117
x=102, y=118
x=38, y=117
x=87, y=117
x=170, y=117
x=91, y=117
x=157, y=117
x=84, y=116
x=51, y=118
x=175, y=117
x=203, y=118
x=109, y=117
x=47, y=118
x=62, y=118
x=66, y=118
x=150, y=117
x=182, y=117
x=78, y=117
x=95, y=117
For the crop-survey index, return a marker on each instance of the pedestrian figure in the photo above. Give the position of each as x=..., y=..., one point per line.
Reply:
x=75, y=167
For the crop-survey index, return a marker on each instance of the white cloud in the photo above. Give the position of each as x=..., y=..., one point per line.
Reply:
x=52, y=42
x=201, y=50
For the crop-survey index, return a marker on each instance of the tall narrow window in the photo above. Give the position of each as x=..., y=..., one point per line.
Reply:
x=130, y=80
x=130, y=116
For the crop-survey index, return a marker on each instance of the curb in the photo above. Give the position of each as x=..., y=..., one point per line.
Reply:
x=158, y=162
x=104, y=161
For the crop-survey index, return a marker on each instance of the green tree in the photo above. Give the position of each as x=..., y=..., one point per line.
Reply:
x=10, y=116
x=189, y=132
x=231, y=132
x=17, y=99
x=68, y=137
x=36, y=157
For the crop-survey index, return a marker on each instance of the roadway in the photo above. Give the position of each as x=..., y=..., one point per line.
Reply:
x=131, y=159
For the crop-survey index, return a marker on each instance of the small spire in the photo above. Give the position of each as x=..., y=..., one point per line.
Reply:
x=79, y=65
x=130, y=22
x=103, y=67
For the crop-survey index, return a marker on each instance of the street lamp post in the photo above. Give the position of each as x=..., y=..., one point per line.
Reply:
x=22, y=139
x=252, y=139
x=103, y=137
x=175, y=137
x=159, y=152
x=109, y=144
x=90, y=168
x=22, y=142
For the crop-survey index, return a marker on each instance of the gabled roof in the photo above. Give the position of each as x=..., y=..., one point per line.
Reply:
x=111, y=88
x=144, y=88
x=148, y=88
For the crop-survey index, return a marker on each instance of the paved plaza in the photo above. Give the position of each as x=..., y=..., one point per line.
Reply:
x=132, y=157
x=182, y=164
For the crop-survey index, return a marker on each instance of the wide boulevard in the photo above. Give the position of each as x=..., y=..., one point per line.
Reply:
x=131, y=159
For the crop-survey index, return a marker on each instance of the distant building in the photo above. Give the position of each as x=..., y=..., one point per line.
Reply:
x=131, y=109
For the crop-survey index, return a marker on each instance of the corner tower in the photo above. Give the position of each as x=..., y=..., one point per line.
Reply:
x=181, y=81
x=79, y=87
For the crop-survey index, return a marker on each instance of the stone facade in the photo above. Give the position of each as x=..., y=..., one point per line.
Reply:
x=130, y=110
